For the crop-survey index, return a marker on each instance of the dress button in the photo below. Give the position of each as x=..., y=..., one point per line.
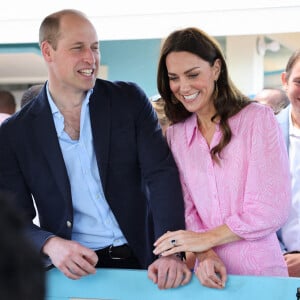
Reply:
x=69, y=224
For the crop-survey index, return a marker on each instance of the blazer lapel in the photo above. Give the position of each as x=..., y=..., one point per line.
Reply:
x=44, y=129
x=100, y=122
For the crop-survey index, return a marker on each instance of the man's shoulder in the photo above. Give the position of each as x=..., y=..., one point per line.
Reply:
x=115, y=85
x=119, y=91
x=283, y=116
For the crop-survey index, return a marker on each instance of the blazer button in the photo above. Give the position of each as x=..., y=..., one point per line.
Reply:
x=69, y=224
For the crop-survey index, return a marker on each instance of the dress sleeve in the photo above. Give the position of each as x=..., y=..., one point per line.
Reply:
x=267, y=196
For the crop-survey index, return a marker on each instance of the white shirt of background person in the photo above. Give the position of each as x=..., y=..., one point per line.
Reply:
x=291, y=229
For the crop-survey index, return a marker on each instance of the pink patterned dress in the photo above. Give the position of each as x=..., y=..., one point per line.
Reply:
x=249, y=191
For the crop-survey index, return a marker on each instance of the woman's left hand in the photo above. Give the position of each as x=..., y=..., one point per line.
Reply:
x=182, y=241
x=211, y=270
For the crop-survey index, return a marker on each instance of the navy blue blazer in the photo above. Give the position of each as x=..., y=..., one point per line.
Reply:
x=131, y=152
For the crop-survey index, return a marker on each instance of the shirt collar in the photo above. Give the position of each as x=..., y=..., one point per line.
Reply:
x=58, y=117
x=191, y=126
x=53, y=106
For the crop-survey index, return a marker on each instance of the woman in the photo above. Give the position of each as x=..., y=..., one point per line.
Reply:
x=232, y=161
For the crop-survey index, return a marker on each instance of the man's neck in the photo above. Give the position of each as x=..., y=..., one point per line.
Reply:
x=295, y=114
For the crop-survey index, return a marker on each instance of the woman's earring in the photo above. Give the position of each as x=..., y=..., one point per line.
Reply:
x=216, y=90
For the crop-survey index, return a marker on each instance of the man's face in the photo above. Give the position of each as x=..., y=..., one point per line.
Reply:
x=74, y=64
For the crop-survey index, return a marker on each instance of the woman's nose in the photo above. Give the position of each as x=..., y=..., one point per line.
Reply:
x=184, y=86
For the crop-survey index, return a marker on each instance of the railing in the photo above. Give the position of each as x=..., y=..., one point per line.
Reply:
x=113, y=284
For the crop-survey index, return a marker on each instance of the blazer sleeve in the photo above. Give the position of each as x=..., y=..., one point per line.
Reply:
x=159, y=171
x=13, y=179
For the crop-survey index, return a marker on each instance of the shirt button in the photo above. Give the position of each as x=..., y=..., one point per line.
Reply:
x=69, y=224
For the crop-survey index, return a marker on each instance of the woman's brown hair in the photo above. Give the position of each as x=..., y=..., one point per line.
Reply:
x=228, y=100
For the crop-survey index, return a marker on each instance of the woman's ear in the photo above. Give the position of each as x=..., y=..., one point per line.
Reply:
x=217, y=68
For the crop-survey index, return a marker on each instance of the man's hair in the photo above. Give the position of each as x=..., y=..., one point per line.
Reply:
x=49, y=29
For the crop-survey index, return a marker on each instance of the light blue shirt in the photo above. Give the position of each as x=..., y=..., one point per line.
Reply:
x=94, y=224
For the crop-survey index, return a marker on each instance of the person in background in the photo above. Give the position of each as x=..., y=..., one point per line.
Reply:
x=7, y=105
x=159, y=105
x=289, y=121
x=83, y=149
x=273, y=97
x=232, y=161
x=22, y=275
x=30, y=93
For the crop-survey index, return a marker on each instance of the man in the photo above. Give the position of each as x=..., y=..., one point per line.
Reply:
x=289, y=121
x=87, y=150
x=7, y=105
x=275, y=98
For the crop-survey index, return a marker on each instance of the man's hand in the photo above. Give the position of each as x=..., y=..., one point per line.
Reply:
x=71, y=258
x=169, y=272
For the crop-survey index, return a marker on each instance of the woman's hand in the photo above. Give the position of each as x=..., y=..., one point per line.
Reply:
x=190, y=241
x=182, y=241
x=211, y=270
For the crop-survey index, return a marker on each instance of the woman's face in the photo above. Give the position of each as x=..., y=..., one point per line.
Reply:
x=292, y=86
x=191, y=80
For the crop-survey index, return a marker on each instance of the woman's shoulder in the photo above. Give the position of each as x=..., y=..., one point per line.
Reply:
x=255, y=110
x=258, y=108
x=251, y=116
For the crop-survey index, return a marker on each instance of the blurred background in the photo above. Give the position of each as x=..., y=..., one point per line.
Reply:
x=257, y=38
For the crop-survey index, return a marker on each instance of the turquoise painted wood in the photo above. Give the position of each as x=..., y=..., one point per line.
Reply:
x=112, y=284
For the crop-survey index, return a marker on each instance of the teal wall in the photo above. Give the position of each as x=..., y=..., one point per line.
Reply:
x=127, y=60
x=132, y=60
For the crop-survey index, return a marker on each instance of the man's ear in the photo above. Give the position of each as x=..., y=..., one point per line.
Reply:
x=283, y=79
x=46, y=50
